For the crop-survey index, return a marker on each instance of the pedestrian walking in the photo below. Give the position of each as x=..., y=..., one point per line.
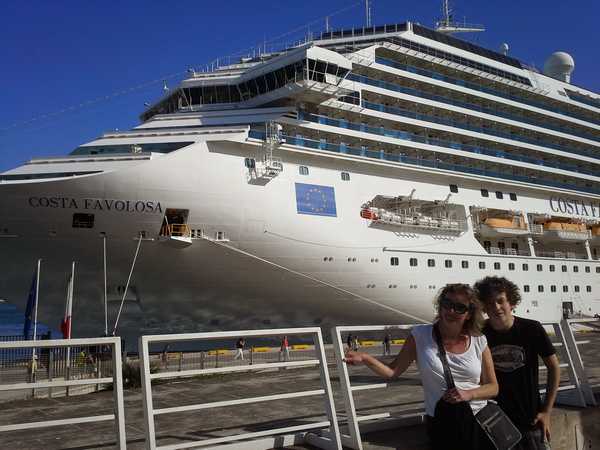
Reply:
x=284, y=350
x=387, y=344
x=355, y=343
x=239, y=345
x=349, y=341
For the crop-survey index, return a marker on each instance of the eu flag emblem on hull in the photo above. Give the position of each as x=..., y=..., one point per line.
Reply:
x=315, y=200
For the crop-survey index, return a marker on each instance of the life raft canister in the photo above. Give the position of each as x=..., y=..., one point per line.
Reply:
x=368, y=214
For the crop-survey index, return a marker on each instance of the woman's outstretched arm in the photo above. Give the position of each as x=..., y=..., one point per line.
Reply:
x=404, y=359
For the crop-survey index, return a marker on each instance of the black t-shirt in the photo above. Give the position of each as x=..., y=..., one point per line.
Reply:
x=515, y=353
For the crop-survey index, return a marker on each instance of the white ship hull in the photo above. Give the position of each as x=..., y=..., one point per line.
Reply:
x=268, y=271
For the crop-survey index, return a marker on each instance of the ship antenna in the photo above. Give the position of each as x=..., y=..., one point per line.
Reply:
x=368, y=12
x=447, y=24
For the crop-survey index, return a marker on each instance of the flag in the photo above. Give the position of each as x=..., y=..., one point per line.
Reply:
x=29, y=311
x=65, y=325
x=315, y=200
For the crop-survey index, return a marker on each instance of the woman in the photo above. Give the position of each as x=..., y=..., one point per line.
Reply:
x=459, y=321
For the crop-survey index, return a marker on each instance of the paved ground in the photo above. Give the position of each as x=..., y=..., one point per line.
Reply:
x=403, y=397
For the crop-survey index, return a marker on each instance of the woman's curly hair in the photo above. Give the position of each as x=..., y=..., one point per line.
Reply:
x=490, y=287
x=474, y=323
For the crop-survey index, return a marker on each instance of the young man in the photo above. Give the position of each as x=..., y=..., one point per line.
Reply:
x=515, y=344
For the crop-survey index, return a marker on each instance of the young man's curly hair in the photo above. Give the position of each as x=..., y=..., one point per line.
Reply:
x=490, y=287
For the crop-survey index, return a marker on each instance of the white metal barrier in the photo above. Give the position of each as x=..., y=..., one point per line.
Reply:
x=328, y=438
x=383, y=420
x=116, y=380
x=577, y=392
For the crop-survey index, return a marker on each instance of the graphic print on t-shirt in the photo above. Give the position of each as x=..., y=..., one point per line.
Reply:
x=508, y=358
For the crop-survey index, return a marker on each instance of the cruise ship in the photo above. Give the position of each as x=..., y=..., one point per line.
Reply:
x=343, y=180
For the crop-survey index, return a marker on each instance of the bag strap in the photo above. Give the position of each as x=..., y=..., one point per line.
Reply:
x=442, y=354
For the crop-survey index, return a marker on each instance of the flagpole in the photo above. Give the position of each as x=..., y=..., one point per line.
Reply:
x=35, y=315
x=105, y=296
x=69, y=310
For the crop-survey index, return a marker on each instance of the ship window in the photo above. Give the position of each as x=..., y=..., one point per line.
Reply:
x=598, y=269
x=345, y=176
x=587, y=269
x=525, y=267
x=526, y=288
x=413, y=262
x=539, y=267
x=552, y=267
x=448, y=263
x=565, y=288
x=541, y=288
x=575, y=269
x=83, y=220
x=497, y=265
x=303, y=170
x=464, y=264
x=511, y=266
x=499, y=195
x=534, y=303
x=487, y=245
x=431, y=263
x=394, y=261
x=513, y=196
x=454, y=188
x=577, y=288
x=482, y=265
x=553, y=288
x=588, y=288
x=564, y=268
x=250, y=163
x=485, y=193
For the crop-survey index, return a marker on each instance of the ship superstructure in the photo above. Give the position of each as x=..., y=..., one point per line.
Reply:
x=346, y=179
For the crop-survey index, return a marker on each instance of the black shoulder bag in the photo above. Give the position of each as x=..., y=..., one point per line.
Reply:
x=492, y=420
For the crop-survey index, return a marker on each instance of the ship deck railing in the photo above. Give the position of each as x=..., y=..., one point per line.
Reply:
x=422, y=162
x=456, y=145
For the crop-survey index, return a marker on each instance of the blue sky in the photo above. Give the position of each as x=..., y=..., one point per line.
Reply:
x=55, y=55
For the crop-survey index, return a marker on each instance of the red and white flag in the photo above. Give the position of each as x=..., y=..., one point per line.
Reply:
x=65, y=325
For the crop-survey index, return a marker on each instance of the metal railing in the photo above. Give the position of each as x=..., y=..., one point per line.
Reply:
x=118, y=415
x=329, y=436
x=385, y=419
x=578, y=390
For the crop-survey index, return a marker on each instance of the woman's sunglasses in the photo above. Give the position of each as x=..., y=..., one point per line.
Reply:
x=457, y=307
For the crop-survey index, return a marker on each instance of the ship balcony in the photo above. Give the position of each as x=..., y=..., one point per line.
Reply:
x=554, y=231
x=560, y=254
x=507, y=251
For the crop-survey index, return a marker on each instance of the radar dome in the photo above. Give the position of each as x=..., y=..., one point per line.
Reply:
x=504, y=48
x=560, y=66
